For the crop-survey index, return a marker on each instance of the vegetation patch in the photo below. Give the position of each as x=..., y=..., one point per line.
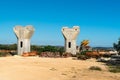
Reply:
x=53, y=69
x=114, y=69
x=81, y=56
x=4, y=54
x=95, y=68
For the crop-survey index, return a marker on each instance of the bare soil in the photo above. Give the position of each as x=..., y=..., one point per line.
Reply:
x=36, y=68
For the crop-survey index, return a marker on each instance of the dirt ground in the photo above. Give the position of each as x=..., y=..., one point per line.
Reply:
x=36, y=68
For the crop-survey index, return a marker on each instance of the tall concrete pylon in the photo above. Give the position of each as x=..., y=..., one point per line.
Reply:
x=70, y=35
x=23, y=35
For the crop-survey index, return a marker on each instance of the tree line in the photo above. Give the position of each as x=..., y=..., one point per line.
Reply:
x=37, y=48
x=48, y=48
x=8, y=46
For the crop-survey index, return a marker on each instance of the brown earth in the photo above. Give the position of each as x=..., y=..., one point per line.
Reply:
x=36, y=68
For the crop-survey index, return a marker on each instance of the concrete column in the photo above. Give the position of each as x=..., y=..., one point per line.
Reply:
x=20, y=48
x=70, y=35
x=26, y=45
x=23, y=35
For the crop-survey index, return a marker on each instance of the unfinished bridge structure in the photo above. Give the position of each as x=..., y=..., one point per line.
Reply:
x=23, y=35
x=70, y=35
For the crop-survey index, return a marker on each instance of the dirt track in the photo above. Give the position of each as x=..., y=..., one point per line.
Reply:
x=36, y=68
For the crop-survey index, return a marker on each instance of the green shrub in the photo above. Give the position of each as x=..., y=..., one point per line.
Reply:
x=82, y=56
x=4, y=54
x=84, y=52
x=66, y=54
x=114, y=69
x=95, y=68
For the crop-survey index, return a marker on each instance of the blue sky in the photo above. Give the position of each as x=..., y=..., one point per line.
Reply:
x=99, y=20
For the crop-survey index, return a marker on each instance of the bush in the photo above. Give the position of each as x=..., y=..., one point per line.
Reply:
x=52, y=49
x=95, y=68
x=4, y=54
x=66, y=54
x=81, y=57
x=84, y=52
x=114, y=69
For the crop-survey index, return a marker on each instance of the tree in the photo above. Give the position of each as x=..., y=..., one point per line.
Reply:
x=117, y=46
x=50, y=49
x=61, y=51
